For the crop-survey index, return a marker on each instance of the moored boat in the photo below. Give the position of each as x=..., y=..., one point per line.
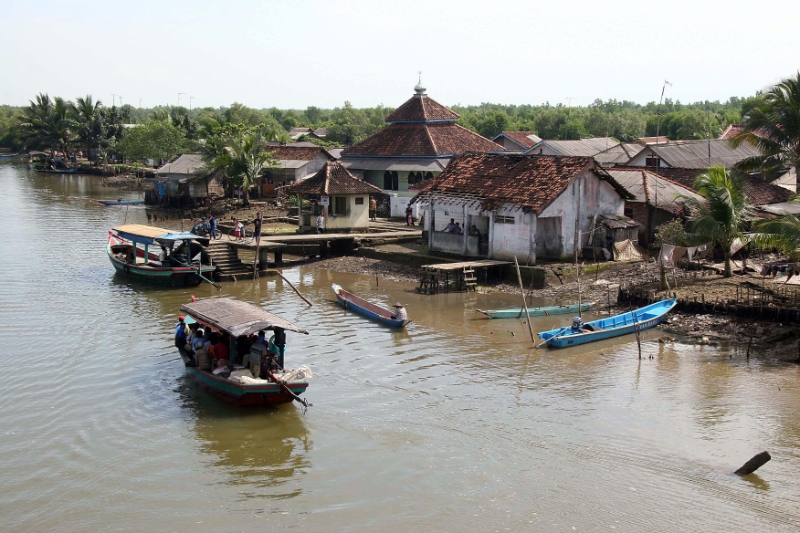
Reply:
x=606, y=328
x=396, y=319
x=8, y=156
x=237, y=321
x=519, y=312
x=182, y=261
x=121, y=202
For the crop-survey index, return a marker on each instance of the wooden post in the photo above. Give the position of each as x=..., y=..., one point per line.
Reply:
x=525, y=303
x=754, y=464
x=290, y=284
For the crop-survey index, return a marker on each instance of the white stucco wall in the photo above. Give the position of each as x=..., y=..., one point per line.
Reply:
x=358, y=217
x=640, y=159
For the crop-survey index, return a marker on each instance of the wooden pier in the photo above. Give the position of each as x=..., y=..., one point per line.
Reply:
x=454, y=277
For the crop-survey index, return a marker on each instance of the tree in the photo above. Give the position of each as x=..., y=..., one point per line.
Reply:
x=722, y=217
x=242, y=154
x=45, y=124
x=88, y=123
x=772, y=124
x=782, y=233
x=155, y=139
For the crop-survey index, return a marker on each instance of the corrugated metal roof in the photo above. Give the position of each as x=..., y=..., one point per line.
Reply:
x=579, y=148
x=618, y=154
x=651, y=188
x=186, y=164
x=695, y=154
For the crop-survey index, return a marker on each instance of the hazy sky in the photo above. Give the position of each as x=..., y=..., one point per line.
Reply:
x=296, y=53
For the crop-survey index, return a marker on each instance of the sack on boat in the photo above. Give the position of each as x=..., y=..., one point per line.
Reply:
x=301, y=373
x=246, y=380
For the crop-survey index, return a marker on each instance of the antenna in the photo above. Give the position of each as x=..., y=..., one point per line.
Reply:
x=658, y=111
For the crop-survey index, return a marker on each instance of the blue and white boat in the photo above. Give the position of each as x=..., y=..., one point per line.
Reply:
x=606, y=328
x=370, y=310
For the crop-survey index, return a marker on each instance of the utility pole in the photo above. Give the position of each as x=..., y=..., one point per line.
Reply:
x=190, y=102
x=179, y=98
x=658, y=111
x=120, y=101
x=140, y=103
x=113, y=99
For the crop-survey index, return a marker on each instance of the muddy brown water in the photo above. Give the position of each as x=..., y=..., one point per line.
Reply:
x=454, y=423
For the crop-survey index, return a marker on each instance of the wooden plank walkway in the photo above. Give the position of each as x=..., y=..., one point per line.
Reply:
x=453, y=277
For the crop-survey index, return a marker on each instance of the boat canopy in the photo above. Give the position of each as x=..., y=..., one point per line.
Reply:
x=141, y=234
x=236, y=317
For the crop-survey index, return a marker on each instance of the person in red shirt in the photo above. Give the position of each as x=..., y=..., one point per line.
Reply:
x=219, y=351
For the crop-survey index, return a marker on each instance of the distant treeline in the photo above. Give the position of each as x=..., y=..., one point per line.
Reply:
x=346, y=125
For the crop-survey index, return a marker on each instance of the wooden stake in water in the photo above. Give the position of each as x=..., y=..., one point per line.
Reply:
x=524, y=302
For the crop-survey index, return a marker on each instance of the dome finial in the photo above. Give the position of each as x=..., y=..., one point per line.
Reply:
x=419, y=88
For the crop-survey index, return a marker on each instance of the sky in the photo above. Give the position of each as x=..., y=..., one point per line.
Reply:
x=300, y=53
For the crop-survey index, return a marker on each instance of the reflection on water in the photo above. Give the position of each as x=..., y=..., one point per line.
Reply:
x=457, y=418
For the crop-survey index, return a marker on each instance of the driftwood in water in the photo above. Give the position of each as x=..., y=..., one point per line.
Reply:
x=754, y=464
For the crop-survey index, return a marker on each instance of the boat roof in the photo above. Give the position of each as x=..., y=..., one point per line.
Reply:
x=236, y=317
x=143, y=234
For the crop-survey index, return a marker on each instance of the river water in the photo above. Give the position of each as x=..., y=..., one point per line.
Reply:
x=455, y=423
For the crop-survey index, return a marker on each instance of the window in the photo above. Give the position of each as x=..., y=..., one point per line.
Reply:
x=652, y=160
x=390, y=181
x=339, y=206
x=629, y=212
x=360, y=200
x=503, y=220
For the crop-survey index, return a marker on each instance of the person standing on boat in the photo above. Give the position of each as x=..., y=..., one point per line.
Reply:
x=278, y=344
x=257, y=352
x=180, y=333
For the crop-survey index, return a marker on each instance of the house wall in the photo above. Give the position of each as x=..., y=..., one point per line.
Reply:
x=313, y=166
x=640, y=159
x=543, y=149
x=510, y=145
x=357, y=218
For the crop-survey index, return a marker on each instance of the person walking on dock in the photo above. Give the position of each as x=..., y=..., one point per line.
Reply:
x=257, y=228
x=320, y=223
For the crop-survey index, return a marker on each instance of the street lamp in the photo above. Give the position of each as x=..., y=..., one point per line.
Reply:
x=179, y=98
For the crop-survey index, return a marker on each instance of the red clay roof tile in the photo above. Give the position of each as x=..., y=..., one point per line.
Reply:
x=416, y=139
x=332, y=179
x=421, y=108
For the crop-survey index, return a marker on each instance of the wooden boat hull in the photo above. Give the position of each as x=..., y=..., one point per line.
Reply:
x=121, y=202
x=243, y=395
x=72, y=170
x=364, y=308
x=615, y=326
x=171, y=276
x=537, y=311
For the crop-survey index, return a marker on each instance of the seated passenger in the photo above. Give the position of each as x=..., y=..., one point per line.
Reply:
x=258, y=352
x=579, y=327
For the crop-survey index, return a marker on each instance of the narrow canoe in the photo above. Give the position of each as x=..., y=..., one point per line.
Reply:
x=606, y=328
x=8, y=156
x=519, y=312
x=367, y=309
x=121, y=202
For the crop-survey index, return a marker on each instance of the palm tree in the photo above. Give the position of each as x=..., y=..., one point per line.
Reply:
x=782, y=233
x=773, y=126
x=88, y=123
x=722, y=217
x=46, y=124
x=242, y=154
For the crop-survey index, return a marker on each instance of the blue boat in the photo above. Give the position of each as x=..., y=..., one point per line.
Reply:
x=121, y=202
x=606, y=328
x=394, y=318
x=519, y=312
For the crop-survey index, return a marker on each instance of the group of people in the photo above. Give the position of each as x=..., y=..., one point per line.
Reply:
x=209, y=350
x=455, y=227
x=239, y=230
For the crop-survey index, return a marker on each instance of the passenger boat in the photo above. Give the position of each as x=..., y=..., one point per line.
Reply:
x=238, y=320
x=519, y=312
x=370, y=310
x=606, y=328
x=188, y=263
x=121, y=202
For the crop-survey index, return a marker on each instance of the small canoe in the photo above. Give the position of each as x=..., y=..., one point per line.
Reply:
x=8, y=156
x=606, y=328
x=519, y=312
x=367, y=309
x=53, y=170
x=121, y=202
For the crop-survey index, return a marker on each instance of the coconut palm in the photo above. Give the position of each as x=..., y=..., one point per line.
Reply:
x=46, y=124
x=782, y=233
x=242, y=154
x=773, y=126
x=723, y=214
x=88, y=123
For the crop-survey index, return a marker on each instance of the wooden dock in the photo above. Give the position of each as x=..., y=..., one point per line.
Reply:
x=454, y=277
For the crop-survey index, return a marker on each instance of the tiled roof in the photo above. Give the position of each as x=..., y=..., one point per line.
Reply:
x=731, y=130
x=333, y=179
x=296, y=153
x=695, y=154
x=757, y=190
x=618, y=154
x=530, y=181
x=525, y=139
x=416, y=139
x=421, y=108
x=581, y=147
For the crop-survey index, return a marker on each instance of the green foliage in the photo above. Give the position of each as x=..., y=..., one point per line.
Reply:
x=771, y=122
x=723, y=215
x=672, y=232
x=155, y=139
x=782, y=233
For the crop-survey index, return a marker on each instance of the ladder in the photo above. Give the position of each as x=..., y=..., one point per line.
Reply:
x=470, y=281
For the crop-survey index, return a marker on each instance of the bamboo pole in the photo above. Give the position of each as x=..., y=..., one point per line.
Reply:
x=292, y=286
x=524, y=302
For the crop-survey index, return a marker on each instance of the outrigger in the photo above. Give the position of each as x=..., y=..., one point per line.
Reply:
x=182, y=261
x=239, y=321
